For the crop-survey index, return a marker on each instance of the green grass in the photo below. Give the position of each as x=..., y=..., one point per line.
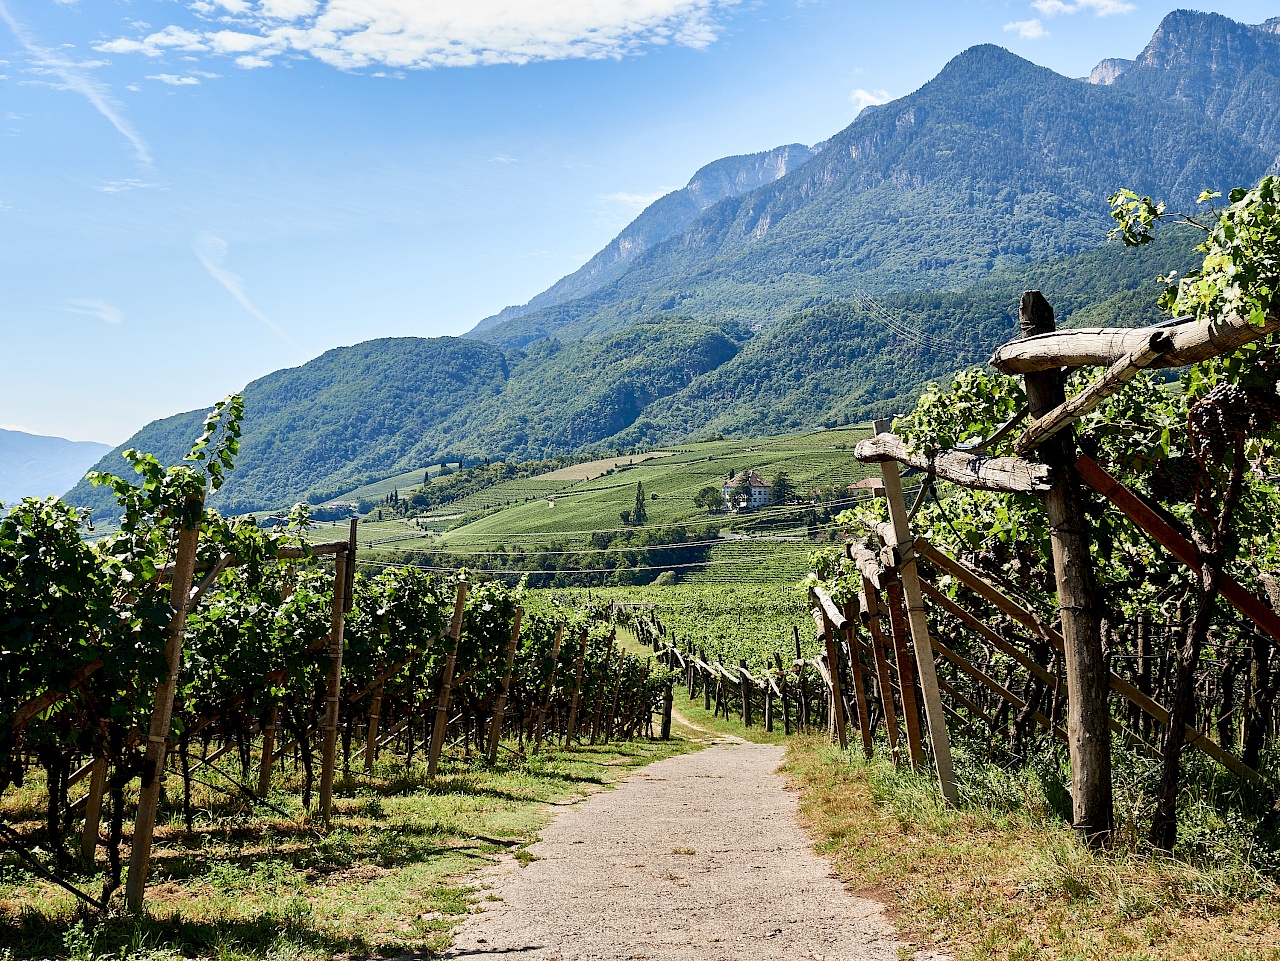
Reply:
x=380, y=489
x=821, y=458
x=390, y=880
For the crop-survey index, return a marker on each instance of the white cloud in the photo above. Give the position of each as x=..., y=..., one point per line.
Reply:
x=1027, y=29
x=121, y=186
x=502, y=158
x=1101, y=8
x=211, y=251
x=95, y=308
x=867, y=98
x=174, y=80
x=633, y=203
x=74, y=76
x=354, y=34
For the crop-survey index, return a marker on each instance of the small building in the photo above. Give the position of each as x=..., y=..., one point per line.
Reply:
x=761, y=492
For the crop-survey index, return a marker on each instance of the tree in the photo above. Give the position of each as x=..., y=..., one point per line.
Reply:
x=740, y=497
x=639, y=513
x=710, y=499
x=783, y=489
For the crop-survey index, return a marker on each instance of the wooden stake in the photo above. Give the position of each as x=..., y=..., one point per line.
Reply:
x=916, y=620
x=371, y=735
x=883, y=680
x=268, y=752
x=162, y=712
x=1087, y=711
x=446, y=681
x=833, y=665
x=572, y=728
x=855, y=676
x=548, y=688
x=902, y=657
x=343, y=561
x=93, y=809
x=500, y=707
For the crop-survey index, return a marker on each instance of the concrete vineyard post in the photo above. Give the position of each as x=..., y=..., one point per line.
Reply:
x=904, y=547
x=162, y=713
x=500, y=706
x=268, y=752
x=1088, y=732
x=446, y=681
x=371, y=735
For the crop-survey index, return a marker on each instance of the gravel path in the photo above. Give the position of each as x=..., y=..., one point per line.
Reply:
x=697, y=858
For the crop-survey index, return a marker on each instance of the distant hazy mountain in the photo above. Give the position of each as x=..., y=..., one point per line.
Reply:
x=665, y=217
x=798, y=287
x=32, y=465
x=993, y=163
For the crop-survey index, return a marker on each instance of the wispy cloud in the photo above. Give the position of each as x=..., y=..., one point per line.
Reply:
x=1027, y=29
x=634, y=202
x=502, y=158
x=94, y=308
x=869, y=98
x=211, y=251
x=1101, y=8
x=173, y=80
x=354, y=34
x=74, y=76
x=121, y=186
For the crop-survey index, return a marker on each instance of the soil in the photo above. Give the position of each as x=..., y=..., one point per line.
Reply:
x=697, y=858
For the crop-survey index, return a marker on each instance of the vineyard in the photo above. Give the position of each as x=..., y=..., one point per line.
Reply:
x=185, y=653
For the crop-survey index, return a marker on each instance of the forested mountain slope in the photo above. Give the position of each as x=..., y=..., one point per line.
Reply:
x=993, y=163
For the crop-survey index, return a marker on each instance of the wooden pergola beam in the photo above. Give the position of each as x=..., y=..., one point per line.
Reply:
x=1004, y=475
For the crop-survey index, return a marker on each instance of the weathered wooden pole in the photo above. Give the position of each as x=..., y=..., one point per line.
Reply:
x=548, y=687
x=904, y=548
x=572, y=727
x=93, y=809
x=835, y=719
x=371, y=733
x=500, y=706
x=872, y=612
x=267, y=757
x=1088, y=732
x=343, y=573
x=144, y=824
x=744, y=687
x=446, y=681
x=855, y=677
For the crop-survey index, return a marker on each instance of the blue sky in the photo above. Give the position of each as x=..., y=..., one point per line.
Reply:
x=193, y=194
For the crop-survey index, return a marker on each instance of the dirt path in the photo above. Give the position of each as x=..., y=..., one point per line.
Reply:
x=697, y=858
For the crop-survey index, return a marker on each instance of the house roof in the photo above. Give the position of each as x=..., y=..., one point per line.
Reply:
x=753, y=478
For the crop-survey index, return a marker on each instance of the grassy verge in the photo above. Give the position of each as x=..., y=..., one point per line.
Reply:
x=1002, y=877
x=390, y=878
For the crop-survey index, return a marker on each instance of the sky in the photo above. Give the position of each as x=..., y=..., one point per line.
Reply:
x=194, y=194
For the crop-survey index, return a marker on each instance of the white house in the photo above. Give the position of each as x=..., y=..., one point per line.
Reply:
x=761, y=492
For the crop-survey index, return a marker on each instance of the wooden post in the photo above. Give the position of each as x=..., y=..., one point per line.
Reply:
x=883, y=681
x=617, y=690
x=162, y=712
x=782, y=684
x=836, y=717
x=744, y=686
x=446, y=681
x=905, y=548
x=572, y=727
x=93, y=809
x=344, y=567
x=602, y=693
x=768, y=707
x=666, y=714
x=859, y=686
x=500, y=707
x=547, y=687
x=267, y=757
x=906, y=669
x=1088, y=733
x=371, y=735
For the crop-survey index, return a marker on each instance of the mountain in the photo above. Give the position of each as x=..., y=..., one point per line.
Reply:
x=993, y=163
x=665, y=217
x=33, y=465
x=797, y=287
x=357, y=414
x=1228, y=71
